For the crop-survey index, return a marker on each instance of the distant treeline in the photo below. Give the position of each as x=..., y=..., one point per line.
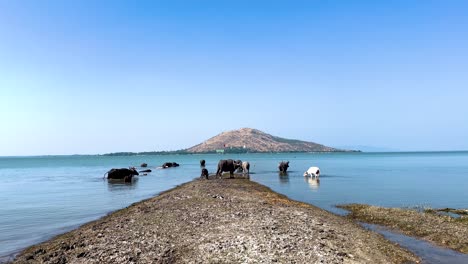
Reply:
x=147, y=153
x=178, y=152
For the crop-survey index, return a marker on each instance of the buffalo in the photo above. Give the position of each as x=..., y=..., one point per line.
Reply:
x=202, y=163
x=122, y=174
x=170, y=165
x=240, y=169
x=228, y=165
x=204, y=173
x=283, y=166
x=144, y=165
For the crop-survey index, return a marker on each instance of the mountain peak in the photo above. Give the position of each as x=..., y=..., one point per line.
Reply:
x=254, y=140
x=243, y=130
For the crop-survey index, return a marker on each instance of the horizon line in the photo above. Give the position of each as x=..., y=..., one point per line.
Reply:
x=105, y=154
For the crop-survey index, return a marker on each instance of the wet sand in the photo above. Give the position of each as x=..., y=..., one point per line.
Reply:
x=442, y=230
x=219, y=221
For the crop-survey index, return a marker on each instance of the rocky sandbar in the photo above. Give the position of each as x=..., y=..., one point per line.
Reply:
x=219, y=221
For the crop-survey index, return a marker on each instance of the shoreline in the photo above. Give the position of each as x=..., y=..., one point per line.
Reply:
x=442, y=230
x=195, y=154
x=219, y=220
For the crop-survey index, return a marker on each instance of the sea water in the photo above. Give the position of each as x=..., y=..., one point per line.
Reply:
x=45, y=196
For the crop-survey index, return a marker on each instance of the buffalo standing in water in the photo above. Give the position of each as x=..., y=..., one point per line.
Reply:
x=122, y=174
x=283, y=166
x=228, y=165
x=202, y=163
x=170, y=165
x=204, y=173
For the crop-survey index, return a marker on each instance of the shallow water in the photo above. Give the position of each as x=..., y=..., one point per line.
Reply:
x=46, y=196
x=429, y=253
x=387, y=179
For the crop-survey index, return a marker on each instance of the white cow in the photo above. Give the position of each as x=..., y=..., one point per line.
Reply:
x=245, y=167
x=312, y=172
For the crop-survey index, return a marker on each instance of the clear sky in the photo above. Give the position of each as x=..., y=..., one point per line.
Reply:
x=88, y=77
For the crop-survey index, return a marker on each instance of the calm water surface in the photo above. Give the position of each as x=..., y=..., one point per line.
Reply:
x=45, y=196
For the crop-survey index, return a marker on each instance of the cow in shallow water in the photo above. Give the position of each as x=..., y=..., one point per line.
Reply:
x=312, y=172
x=122, y=174
x=202, y=163
x=283, y=166
x=245, y=167
x=228, y=165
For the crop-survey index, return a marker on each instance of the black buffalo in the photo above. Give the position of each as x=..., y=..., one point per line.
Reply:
x=283, y=166
x=228, y=165
x=144, y=165
x=202, y=163
x=170, y=165
x=239, y=169
x=204, y=173
x=122, y=174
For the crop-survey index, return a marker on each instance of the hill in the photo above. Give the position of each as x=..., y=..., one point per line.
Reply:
x=253, y=140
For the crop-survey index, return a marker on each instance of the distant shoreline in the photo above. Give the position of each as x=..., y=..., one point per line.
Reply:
x=151, y=153
x=227, y=151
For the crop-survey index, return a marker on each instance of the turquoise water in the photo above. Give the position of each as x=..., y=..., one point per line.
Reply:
x=45, y=196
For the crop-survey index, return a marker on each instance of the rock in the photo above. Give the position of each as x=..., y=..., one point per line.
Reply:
x=219, y=221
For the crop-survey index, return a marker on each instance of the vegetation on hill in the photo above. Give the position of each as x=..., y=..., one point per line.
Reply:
x=244, y=140
x=254, y=140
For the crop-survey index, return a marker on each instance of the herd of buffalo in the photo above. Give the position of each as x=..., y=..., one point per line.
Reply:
x=228, y=165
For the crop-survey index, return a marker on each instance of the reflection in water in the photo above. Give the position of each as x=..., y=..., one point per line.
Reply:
x=314, y=183
x=120, y=185
x=283, y=177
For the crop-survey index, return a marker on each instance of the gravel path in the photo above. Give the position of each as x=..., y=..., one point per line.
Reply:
x=218, y=221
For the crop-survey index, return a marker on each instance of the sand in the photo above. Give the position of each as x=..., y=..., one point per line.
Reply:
x=219, y=221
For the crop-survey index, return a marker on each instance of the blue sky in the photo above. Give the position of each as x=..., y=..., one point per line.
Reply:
x=86, y=77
